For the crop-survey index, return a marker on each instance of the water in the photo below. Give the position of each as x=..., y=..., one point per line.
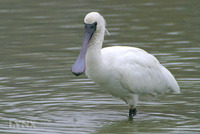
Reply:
x=40, y=40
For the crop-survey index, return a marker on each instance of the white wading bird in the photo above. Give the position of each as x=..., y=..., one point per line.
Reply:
x=124, y=72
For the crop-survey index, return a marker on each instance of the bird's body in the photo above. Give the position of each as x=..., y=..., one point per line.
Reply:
x=125, y=72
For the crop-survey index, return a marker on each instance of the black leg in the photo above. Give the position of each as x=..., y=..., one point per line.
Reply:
x=132, y=112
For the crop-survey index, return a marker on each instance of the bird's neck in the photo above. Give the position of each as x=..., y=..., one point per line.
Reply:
x=93, y=55
x=94, y=61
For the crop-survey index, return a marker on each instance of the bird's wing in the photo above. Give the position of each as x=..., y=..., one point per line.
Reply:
x=140, y=72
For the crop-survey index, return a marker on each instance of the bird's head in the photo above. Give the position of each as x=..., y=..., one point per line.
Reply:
x=94, y=20
x=94, y=24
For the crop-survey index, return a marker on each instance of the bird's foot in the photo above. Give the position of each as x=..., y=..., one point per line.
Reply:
x=132, y=112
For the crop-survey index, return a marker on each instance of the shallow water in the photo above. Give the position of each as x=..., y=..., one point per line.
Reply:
x=40, y=40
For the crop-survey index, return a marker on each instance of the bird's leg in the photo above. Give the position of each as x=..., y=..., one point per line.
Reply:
x=132, y=112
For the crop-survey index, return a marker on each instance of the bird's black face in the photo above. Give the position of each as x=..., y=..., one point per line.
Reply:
x=91, y=27
x=79, y=66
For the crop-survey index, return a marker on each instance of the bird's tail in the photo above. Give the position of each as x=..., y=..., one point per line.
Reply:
x=172, y=83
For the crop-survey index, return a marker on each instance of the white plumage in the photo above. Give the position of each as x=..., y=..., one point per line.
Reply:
x=125, y=72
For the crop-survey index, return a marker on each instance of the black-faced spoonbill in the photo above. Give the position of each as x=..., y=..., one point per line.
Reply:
x=125, y=72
